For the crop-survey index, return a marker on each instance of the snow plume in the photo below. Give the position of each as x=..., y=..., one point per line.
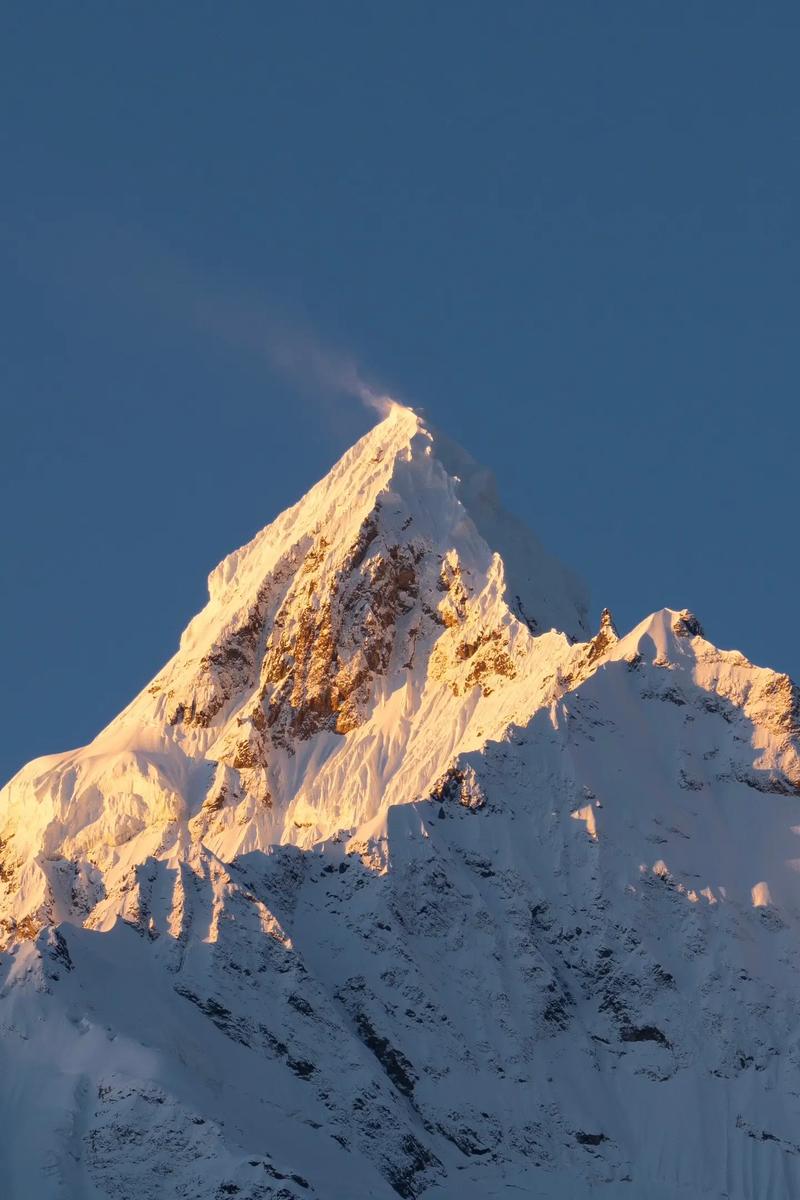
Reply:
x=379, y=402
x=289, y=346
x=137, y=271
x=296, y=353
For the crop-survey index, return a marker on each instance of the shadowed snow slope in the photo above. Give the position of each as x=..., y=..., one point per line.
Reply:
x=395, y=882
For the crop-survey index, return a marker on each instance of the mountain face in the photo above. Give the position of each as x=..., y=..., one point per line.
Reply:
x=396, y=881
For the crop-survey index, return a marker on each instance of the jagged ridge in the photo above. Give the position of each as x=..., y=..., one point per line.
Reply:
x=394, y=883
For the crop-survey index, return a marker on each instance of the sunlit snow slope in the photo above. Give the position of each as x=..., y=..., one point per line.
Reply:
x=395, y=882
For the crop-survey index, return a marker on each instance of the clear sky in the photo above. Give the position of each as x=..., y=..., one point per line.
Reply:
x=569, y=232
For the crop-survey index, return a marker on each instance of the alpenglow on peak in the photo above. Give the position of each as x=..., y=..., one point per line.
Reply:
x=325, y=678
x=396, y=881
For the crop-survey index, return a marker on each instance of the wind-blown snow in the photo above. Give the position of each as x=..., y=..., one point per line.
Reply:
x=395, y=882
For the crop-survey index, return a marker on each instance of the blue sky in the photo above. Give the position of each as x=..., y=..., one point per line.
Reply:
x=568, y=232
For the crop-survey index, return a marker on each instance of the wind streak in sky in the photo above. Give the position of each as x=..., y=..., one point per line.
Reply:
x=132, y=270
x=249, y=321
x=291, y=349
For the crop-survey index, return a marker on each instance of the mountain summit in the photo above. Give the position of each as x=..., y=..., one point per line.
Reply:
x=396, y=881
x=324, y=680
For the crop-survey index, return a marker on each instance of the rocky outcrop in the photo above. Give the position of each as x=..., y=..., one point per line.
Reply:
x=328, y=646
x=686, y=624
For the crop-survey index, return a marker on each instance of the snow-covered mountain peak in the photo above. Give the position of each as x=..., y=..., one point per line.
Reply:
x=401, y=477
x=335, y=602
x=391, y=619
x=394, y=881
x=664, y=637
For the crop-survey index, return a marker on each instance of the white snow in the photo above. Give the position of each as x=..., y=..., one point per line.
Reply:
x=393, y=883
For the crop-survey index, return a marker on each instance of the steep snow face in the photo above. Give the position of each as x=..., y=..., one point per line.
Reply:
x=346, y=655
x=395, y=883
x=569, y=969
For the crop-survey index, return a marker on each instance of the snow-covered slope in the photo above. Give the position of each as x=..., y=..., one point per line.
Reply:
x=396, y=882
x=344, y=658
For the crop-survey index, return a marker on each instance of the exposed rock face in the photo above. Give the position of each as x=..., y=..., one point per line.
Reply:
x=230, y=666
x=395, y=882
x=461, y=785
x=604, y=640
x=607, y=634
x=318, y=671
x=686, y=624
